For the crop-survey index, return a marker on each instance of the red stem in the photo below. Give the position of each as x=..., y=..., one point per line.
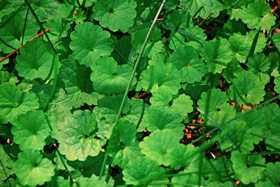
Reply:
x=23, y=45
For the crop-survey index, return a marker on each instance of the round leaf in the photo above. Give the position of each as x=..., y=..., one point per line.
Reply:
x=257, y=15
x=217, y=54
x=115, y=15
x=108, y=77
x=248, y=88
x=77, y=138
x=89, y=42
x=159, y=143
x=30, y=130
x=32, y=169
x=35, y=60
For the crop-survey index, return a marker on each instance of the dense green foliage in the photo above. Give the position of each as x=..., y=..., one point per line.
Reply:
x=70, y=110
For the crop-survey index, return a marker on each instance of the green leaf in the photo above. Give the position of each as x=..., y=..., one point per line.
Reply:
x=272, y=171
x=140, y=169
x=89, y=42
x=277, y=84
x=124, y=134
x=276, y=40
x=192, y=6
x=78, y=138
x=217, y=54
x=218, y=108
x=14, y=102
x=32, y=169
x=77, y=84
x=139, y=36
x=241, y=44
x=110, y=78
x=247, y=169
x=259, y=64
x=248, y=88
x=271, y=114
x=126, y=155
x=257, y=15
x=160, y=75
x=179, y=18
x=30, y=130
x=93, y=181
x=235, y=134
x=186, y=60
x=35, y=60
x=107, y=110
x=182, y=105
x=59, y=28
x=180, y=156
x=159, y=144
x=162, y=118
x=11, y=33
x=46, y=9
x=115, y=15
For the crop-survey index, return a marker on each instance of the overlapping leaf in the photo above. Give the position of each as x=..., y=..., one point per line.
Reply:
x=160, y=75
x=248, y=88
x=158, y=145
x=217, y=106
x=191, y=68
x=35, y=61
x=217, y=54
x=110, y=78
x=257, y=15
x=78, y=137
x=247, y=168
x=140, y=169
x=14, y=102
x=89, y=42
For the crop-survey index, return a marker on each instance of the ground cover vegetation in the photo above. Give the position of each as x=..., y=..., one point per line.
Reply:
x=139, y=93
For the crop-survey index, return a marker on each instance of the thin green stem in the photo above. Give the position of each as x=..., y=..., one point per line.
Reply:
x=103, y=166
x=40, y=24
x=8, y=45
x=203, y=138
x=131, y=79
x=235, y=100
x=141, y=117
x=55, y=82
x=11, y=17
x=56, y=62
x=271, y=38
x=265, y=137
x=122, y=57
x=59, y=154
x=24, y=26
x=254, y=44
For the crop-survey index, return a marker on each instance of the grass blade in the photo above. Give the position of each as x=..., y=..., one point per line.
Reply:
x=253, y=46
x=130, y=81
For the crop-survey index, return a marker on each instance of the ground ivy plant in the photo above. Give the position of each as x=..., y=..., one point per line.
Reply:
x=139, y=93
